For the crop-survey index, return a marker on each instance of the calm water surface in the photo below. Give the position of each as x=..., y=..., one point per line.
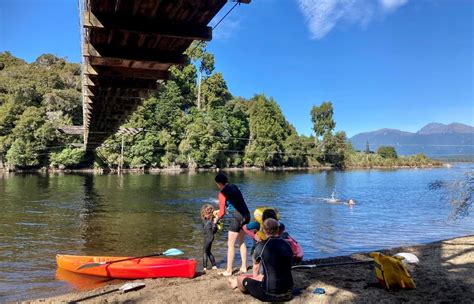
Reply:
x=141, y=214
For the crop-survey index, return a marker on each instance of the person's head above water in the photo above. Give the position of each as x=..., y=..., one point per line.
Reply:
x=269, y=213
x=221, y=180
x=271, y=227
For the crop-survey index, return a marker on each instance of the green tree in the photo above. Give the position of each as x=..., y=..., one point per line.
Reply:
x=387, y=152
x=236, y=113
x=32, y=134
x=67, y=158
x=204, y=144
x=336, y=148
x=295, y=152
x=198, y=53
x=215, y=92
x=268, y=132
x=322, y=118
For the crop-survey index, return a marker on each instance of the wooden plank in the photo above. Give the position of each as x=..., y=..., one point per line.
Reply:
x=136, y=54
x=86, y=81
x=132, y=73
x=72, y=130
x=122, y=83
x=87, y=100
x=87, y=92
x=121, y=93
x=87, y=106
x=147, y=26
x=126, y=63
x=89, y=70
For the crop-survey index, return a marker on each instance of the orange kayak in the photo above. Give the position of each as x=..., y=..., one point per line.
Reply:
x=131, y=269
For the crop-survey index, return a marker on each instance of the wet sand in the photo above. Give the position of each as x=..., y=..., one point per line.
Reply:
x=445, y=274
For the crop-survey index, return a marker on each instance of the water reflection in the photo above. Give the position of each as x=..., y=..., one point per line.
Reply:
x=82, y=282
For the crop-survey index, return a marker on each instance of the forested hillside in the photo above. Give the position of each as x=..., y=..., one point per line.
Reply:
x=192, y=121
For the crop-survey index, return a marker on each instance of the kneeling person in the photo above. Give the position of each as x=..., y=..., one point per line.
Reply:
x=275, y=257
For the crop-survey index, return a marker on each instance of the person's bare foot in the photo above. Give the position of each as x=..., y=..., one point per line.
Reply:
x=233, y=283
x=242, y=270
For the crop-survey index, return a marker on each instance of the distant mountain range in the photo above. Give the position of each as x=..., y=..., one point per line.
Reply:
x=435, y=140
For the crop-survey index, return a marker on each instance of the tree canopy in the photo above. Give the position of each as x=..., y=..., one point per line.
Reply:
x=191, y=121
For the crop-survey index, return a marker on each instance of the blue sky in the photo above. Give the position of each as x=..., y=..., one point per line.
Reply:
x=383, y=63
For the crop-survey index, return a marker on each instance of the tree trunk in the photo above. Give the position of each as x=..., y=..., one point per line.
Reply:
x=199, y=90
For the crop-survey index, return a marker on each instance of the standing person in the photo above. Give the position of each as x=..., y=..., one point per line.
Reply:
x=231, y=198
x=209, y=229
x=275, y=256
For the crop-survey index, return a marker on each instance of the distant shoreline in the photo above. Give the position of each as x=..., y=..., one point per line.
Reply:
x=232, y=169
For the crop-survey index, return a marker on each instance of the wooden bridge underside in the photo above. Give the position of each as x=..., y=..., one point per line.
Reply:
x=128, y=47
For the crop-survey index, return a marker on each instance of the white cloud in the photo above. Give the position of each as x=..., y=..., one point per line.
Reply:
x=391, y=5
x=323, y=15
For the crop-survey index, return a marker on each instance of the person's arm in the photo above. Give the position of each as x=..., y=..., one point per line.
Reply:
x=214, y=227
x=256, y=259
x=248, y=232
x=222, y=200
x=256, y=270
x=249, y=229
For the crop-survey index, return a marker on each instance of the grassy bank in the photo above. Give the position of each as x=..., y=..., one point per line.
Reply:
x=363, y=160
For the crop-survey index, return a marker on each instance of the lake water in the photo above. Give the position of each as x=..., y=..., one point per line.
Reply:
x=139, y=214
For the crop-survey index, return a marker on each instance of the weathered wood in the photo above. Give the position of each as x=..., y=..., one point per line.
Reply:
x=133, y=73
x=134, y=54
x=86, y=81
x=126, y=23
x=128, y=45
x=125, y=63
x=87, y=100
x=124, y=83
x=117, y=92
x=90, y=70
x=72, y=130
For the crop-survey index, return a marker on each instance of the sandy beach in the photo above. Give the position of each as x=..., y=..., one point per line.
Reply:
x=444, y=275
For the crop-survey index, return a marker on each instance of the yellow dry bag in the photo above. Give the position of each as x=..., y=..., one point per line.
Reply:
x=391, y=273
x=258, y=214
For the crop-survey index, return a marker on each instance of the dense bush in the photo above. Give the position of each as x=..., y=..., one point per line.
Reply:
x=67, y=159
x=387, y=152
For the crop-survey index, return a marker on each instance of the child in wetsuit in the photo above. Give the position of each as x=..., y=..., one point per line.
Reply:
x=209, y=229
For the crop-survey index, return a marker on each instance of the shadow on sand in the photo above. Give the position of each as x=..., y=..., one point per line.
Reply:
x=444, y=275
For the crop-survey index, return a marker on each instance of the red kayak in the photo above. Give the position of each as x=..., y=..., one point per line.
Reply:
x=138, y=268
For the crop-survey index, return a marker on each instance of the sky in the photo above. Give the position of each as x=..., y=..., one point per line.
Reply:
x=383, y=63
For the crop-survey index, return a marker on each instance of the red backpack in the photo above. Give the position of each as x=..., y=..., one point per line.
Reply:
x=297, y=249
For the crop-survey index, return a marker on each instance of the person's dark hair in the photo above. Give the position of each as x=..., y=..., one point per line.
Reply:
x=221, y=178
x=269, y=213
x=270, y=226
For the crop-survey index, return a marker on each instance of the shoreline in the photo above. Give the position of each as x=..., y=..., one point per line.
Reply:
x=443, y=274
x=197, y=170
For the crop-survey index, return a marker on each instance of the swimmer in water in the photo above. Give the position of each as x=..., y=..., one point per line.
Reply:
x=351, y=202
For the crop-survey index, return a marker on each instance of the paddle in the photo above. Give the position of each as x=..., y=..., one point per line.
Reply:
x=329, y=264
x=169, y=252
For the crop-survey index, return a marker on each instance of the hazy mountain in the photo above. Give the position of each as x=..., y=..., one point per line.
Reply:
x=439, y=128
x=435, y=139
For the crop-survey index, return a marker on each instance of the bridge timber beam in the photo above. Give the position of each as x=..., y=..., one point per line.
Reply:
x=128, y=47
x=142, y=26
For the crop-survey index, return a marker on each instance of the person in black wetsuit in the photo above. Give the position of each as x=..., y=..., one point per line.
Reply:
x=275, y=257
x=231, y=198
x=209, y=229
